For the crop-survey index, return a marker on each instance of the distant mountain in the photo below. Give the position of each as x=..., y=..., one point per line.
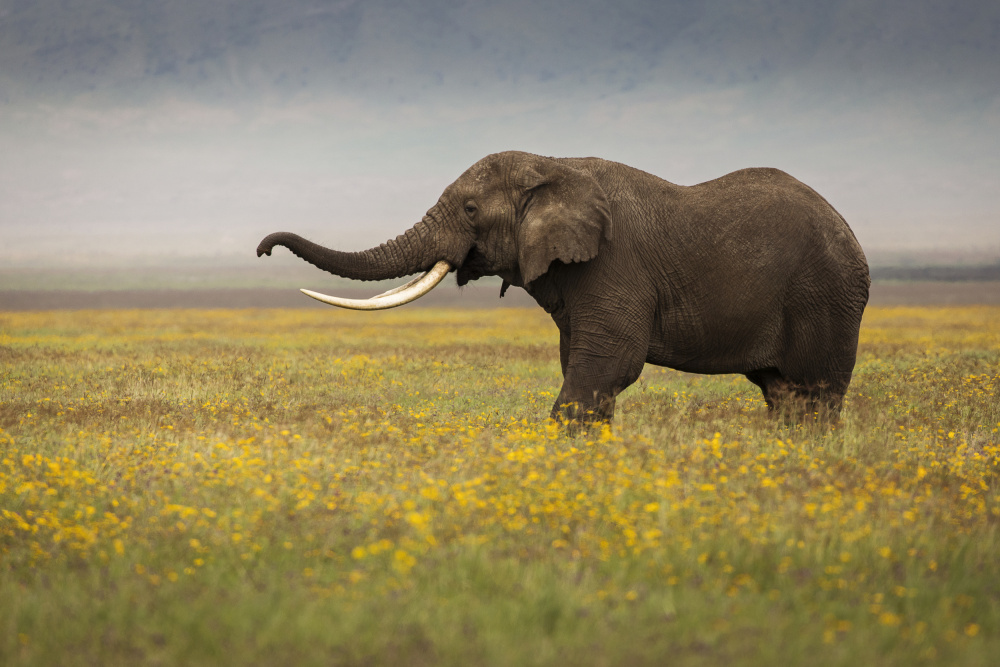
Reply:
x=949, y=274
x=134, y=127
x=135, y=50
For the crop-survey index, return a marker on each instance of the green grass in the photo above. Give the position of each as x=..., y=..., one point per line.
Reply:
x=321, y=487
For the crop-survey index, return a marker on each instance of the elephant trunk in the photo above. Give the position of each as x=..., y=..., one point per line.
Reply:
x=410, y=252
x=424, y=247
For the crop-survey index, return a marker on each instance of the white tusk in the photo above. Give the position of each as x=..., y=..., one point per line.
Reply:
x=411, y=291
x=396, y=290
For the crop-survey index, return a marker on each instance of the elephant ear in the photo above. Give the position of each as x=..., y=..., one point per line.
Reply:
x=565, y=217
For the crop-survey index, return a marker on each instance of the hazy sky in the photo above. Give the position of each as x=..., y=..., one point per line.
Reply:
x=192, y=127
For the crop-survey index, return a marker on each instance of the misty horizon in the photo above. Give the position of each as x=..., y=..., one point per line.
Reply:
x=131, y=130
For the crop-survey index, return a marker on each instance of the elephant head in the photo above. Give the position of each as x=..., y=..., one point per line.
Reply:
x=510, y=215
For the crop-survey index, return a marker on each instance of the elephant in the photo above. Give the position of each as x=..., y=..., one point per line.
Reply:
x=753, y=273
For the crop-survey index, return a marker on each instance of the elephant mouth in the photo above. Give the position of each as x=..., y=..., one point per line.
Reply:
x=397, y=296
x=473, y=267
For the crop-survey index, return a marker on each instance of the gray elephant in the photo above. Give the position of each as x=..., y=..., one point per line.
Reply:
x=751, y=273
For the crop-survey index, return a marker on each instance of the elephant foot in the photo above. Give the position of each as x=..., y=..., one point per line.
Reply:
x=795, y=408
x=796, y=403
x=580, y=413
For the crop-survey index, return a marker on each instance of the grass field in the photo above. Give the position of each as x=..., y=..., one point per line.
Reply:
x=321, y=487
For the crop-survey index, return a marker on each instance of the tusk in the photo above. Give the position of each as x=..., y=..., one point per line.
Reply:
x=411, y=291
x=396, y=290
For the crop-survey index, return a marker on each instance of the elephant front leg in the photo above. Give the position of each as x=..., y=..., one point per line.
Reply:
x=564, y=349
x=593, y=378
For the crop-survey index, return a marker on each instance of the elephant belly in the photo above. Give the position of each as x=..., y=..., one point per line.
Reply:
x=739, y=342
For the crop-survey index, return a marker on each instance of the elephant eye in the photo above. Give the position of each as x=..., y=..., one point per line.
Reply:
x=470, y=208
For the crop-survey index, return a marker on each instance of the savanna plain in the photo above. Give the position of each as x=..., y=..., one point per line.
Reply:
x=334, y=488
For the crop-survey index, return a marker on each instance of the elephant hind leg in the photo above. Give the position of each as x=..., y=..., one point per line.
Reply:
x=772, y=384
x=798, y=400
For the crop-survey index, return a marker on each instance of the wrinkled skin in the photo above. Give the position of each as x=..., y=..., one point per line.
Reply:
x=751, y=273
